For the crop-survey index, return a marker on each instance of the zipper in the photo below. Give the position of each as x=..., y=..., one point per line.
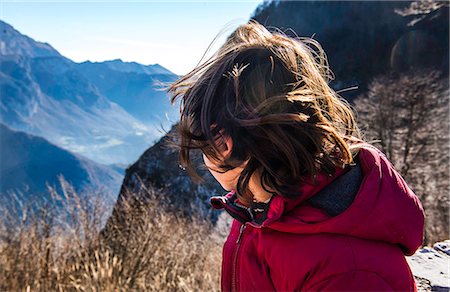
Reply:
x=238, y=243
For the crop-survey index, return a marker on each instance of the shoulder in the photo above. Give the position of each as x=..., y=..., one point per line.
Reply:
x=371, y=156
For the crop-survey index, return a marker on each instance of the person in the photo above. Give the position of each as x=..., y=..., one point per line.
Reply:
x=315, y=208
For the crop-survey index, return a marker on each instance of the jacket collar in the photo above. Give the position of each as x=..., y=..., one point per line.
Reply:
x=263, y=214
x=256, y=213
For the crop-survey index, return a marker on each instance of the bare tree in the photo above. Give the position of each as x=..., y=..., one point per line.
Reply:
x=408, y=116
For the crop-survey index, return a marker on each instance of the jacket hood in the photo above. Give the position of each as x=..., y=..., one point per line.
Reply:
x=382, y=207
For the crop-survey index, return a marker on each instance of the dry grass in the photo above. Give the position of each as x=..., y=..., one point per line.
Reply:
x=48, y=248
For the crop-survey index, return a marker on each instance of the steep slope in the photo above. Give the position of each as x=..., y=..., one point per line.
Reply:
x=28, y=163
x=159, y=167
x=14, y=43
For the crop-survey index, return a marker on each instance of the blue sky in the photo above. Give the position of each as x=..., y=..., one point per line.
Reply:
x=174, y=34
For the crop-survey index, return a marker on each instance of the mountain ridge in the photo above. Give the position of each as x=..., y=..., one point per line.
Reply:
x=109, y=119
x=24, y=45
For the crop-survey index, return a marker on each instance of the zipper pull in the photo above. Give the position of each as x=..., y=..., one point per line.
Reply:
x=241, y=230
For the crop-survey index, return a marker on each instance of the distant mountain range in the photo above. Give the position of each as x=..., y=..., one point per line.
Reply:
x=134, y=87
x=30, y=163
x=109, y=111
x=85, y=121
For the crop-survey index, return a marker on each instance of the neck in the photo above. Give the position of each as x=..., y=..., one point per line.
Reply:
x=256, y=192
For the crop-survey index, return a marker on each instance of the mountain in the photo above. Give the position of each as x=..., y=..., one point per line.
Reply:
x=48, y=97
x=28, y=163
x=364, y=39
x=109, y=112
x=119, y=65
x=14, y=43
x=136, y=88
x=159, y=168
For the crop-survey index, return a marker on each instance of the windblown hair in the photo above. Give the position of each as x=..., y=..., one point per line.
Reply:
x=270, y=94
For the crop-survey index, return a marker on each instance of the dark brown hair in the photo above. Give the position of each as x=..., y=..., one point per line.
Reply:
x=270, y=94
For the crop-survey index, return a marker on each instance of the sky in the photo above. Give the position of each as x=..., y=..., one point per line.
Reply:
x=174, y=34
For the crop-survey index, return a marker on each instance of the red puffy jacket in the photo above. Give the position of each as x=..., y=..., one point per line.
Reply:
x=315, y=242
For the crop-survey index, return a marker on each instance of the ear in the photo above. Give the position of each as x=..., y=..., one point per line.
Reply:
x=226, y=144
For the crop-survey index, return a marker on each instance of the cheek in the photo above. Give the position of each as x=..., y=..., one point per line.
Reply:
x=207, y=162
x=228, y=180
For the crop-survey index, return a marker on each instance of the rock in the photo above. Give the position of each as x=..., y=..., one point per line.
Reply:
x=430, y=267
x=443, y=247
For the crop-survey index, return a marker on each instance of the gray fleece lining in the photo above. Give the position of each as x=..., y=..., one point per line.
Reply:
x=339, y=195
